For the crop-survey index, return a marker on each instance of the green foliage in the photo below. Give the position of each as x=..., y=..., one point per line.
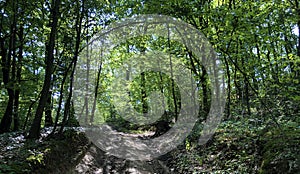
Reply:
x=281, y=152
x=233, y=148
x=120, y=124
x=36, y=158
x=243, y=147
x=14, y=168
x=255, y=41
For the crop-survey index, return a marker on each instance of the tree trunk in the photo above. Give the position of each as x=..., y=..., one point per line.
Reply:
x=96, y=92
x=61, y=97
x=203, y=81
x=34, y=131
x=48, y=111
x=228, y=110
x=7, y=119
x=9, y=79
x=18, y=78
x=74, y=62
x=247, y=97
x=28, y=113
x=143, y=93
x=176, y=110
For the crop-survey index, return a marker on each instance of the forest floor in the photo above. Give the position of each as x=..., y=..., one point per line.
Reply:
x=236, y=147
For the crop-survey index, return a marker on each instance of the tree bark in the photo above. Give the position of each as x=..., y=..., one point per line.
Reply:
x=228, y=109
x=143, y=93
x=8, y=70
x=74, y=62
x=176, y=110
x=34, y=131
x=48, y=111
x=96, y=92
x=18, y=78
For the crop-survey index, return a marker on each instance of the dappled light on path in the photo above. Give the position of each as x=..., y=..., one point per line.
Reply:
x=97, y=161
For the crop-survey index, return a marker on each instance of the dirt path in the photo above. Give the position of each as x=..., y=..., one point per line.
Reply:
x=72, y=153
x=97, y=162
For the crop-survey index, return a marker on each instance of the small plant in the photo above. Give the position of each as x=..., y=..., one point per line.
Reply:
x=37, y=157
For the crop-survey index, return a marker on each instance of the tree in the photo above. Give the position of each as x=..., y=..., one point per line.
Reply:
x=11, y=49
x=49, y=61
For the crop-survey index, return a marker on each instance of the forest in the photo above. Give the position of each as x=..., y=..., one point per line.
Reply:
x=150, y=86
